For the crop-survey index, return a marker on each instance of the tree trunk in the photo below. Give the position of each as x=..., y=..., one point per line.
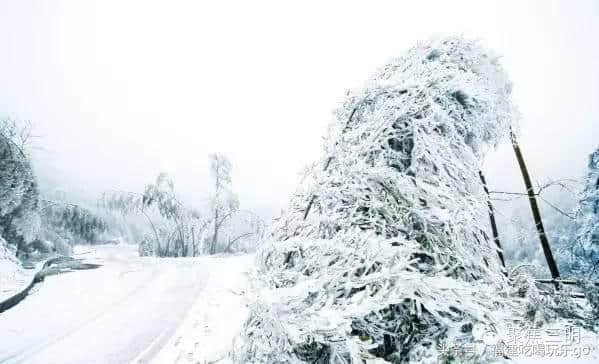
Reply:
x=215, y=236
x=326, y=166
x=493, y=222
x=535, y=209
x=153, y=228
x=193, y=243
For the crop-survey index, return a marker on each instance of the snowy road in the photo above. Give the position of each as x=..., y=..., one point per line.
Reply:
x=123, y=312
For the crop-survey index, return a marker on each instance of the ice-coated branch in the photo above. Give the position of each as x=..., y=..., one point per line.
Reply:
x=384, y=252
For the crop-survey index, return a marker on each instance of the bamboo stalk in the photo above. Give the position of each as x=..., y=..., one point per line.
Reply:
x=493, y=222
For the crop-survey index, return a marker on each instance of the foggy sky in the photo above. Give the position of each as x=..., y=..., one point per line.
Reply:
x=119, y=91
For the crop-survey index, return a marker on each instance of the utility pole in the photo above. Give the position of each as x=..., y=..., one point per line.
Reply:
x=535, y=209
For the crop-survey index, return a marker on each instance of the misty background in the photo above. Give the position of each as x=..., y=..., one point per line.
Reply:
x=120, y=91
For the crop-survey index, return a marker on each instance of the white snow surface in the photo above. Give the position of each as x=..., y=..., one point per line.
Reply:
x=130, y=310
x=216, y=318
x=13, y=278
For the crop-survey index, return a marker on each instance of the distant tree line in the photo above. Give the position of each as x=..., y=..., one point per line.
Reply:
x=28, y=222
x=178, y=230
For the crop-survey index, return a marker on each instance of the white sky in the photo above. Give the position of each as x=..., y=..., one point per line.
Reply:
x=122, y=90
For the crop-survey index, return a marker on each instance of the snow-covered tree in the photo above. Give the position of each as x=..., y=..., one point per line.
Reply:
x=70, y=223
x=130, y=204
x=19, y=195
x=176, y=230
x=384, y=251
x=243, y=232
x=223, y=203
x=585, y=250
x=26, y=221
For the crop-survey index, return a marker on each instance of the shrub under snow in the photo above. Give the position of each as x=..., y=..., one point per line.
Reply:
x=384, y=251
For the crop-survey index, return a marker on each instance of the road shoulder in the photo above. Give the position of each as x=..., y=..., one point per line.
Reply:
x=207, y=333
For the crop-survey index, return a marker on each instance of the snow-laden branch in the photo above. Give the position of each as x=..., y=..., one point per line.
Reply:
x=384, y=250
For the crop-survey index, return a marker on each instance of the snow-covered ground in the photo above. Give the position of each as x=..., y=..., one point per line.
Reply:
x=159, y=311
x=128, y=310
x=13, y=277
x=207, y=334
